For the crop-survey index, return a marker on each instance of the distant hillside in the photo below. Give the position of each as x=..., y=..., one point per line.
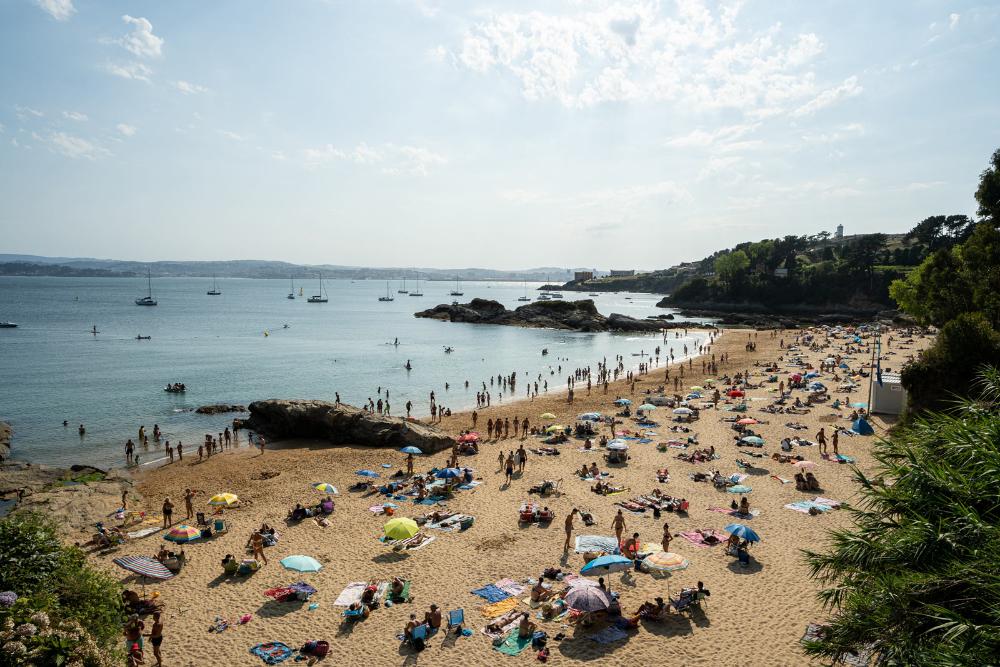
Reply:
x=34, y=265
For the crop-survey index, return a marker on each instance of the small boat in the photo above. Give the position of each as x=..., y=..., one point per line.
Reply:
x=525, y=297
x=321, y=297
x=417, y=291
x=93, y=330
x=386, y=297
x=593, y=294
x=458, y=289
x=449, y=349
x=544, y=297
x=175, y=388
x=215, y=288
x=144, y=338
x=545, y=351
x=554, y=295
x=403, y=290
x=291, y=284
x=147, y=300
x=8, y=325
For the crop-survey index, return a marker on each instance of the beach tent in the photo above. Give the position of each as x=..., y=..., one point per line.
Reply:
x=862, y=427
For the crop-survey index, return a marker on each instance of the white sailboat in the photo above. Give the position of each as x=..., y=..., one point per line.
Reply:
x=404, y=290
x=417, y=291
x=291, y=288
x=215, y=288
x=458, y=289
x=321, y=297
x=525, y=297
x=147, y=300
x=386, y=297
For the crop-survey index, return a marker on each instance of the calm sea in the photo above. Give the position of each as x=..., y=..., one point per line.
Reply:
x=53, y=369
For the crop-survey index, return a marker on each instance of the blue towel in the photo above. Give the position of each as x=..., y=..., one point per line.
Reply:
x=272, y=652
x=491, y=593
x=425, y=501
x=645, y=440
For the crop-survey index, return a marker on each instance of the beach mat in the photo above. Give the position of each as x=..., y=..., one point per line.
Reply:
x=144, y=532
x=510, y=586
x=272, y=652
x=514, y=644
x=351, y=594
x=739, y=488
x=696, y=539
x=499, y=608
x=491, y=593
x=585, y=543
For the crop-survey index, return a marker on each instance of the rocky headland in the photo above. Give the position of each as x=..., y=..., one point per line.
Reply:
x=341, y=424
x=579, y=315
x=5, y=435
x=220, y=408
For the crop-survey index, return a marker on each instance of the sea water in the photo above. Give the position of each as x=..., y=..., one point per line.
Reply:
x=235, y=348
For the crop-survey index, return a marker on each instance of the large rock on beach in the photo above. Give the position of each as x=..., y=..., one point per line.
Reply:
x=5, y=435
x=341, y=424
x=579, y=315
x=220, y=408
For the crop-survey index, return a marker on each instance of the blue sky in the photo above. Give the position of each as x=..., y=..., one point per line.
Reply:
x=504, y=135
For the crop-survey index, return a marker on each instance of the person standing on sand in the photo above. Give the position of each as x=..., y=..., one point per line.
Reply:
x=665, y=543
x=168, y=510
x=836, y=437
x=510, y=467
x=257, y=544
x=821, y=439
x=180, y=450
x=261, y=442
x=522, y=458
x=618, y=523
x=156, y=638
x=125, y=499
x=500, y=460
x=189, y=495
x=569, y=528
x=409, y=464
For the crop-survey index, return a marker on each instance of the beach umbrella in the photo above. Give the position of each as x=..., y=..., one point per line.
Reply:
x=683, y=411
x=607, y=564
x=301, y=563
x=224, y=499
x=366, y=473
x=665, y=561
x=590, y=416
x=618, y=445
x=747, y=421
x=743, y=532
x=646, y=407
x=471, y=436
x=144, y=566
x=696, y=388
x=554, y=428
x=587, y=598
x=326, y=487
x=622, y=401
x=795, y=377
x=804, y=465
x=548, y=415
x=735, y=393
x=752, y=440
x=400, y=528
x=182, y=533
x=410, y=449
x=449, y=473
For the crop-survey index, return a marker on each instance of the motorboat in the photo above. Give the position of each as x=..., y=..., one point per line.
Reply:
x=147, y=300
x=144, y=338
x=175, y=388
x=449, y=349
x=321, y=297
x=593, y=294
x=8, y=325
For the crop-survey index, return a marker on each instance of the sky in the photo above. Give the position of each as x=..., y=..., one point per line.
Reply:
x=502, y=135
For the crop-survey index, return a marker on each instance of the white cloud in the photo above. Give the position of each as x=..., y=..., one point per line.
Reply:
x=389, y=158
x=135, y=71
x=232, y=136
x=719, y=164
x=60, y=10
x=839, y=134
x=695, y=57
x=141, y=41
x=615, y=200
x=702, y=138
x=953, y=21
x=24, y=113
x=849, y=88
x=126, y=130
x=75, y=115
x=74, y=147
x=920, y=186
x=279, y=156
x=189, y=88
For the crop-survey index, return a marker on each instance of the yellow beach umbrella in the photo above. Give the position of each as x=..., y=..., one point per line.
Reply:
x=554, y=428
x=401, y=528
x=548, y=415
x=224, y=499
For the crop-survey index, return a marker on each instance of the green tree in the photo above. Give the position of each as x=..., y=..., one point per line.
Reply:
x=935, y=292
x=731, y=266
x=988, y=193
x=941, y=231
x=915, y=579
x=981, y=270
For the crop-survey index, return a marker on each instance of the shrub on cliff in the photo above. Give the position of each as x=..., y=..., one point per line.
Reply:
x=54, y=608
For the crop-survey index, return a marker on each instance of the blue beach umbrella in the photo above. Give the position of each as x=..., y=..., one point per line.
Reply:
x=623, y=401
x=410, y=449
x=606, y=564
x=743, y=532
x=752, y=440
x=449, y=473
x=366, y=473
x=301, y=563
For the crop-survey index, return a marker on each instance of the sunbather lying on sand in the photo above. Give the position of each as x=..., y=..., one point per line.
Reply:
x=539, y=593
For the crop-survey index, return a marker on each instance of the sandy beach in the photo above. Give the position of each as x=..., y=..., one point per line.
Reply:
x=754, y=616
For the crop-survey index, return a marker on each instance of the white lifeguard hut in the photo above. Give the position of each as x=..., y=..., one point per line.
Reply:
x=889, y=397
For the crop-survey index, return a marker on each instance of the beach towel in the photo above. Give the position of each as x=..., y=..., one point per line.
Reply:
x=380, y=509
x=272, y=652
x=502, y=632
x=737, y=477
x=834, y=504
x=134, y=535
x=410, y=545
x=404, y=596
x=499, y=608
x=739, y=488
x=805, y=505
x=514, y=644
x=585, y=543
x=425, y=501
x=491, y=593
x=736, y=513
x=471, y=485
x=608, y=635
x=351, y=594
x=510, y=586
x=695, y=538
x=781, y=479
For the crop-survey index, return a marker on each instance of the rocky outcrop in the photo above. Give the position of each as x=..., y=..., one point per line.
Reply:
x=574, y=315
x=220, y=408
x=341, y=424
x=5, y=435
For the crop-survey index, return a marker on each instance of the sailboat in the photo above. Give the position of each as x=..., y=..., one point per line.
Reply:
x=525, y=297
x=458, y=289
x=291, y=285
x=417, y=291
x=386, y=297
x=147, y=300
x=321, y=297
x=402, y=291
x=215, y=288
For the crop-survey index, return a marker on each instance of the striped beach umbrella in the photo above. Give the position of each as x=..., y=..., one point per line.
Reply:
x=224, y=499
x=144, y=566
x=182, y=533
x=683, y=411
x=665, y=561
x=587, y=598
x=326, y=487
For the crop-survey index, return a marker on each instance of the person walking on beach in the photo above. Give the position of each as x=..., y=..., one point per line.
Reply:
x=510, y=467
x=168, y=510
x=524, y=428
x=522, y=458
x=821, y=439
x=500, y=460
x=257, y=544
x=569, y=528
x=618, y=523
x=156, y=638
x=261, y=442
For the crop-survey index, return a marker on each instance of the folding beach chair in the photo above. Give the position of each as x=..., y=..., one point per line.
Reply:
x=455, y=619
